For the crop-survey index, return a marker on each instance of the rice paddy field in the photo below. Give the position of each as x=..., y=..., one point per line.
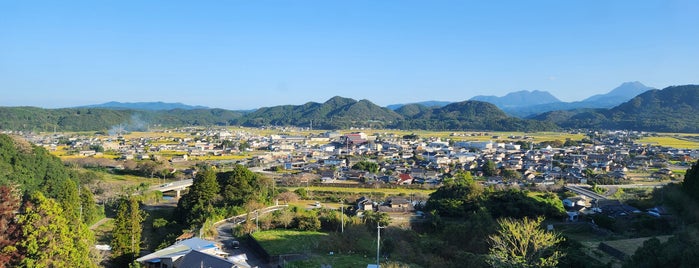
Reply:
x=483, y=136
x=679, y=141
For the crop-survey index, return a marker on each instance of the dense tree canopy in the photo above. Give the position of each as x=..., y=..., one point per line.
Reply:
x=50, y=226
x=238, y=185
x=49, y=239
x=222, y=193
x=523, y=243
x=372, y=167
x=9, y=228
x=456, y=199
x=681, y=250
x=691, y=181
x=197, y=205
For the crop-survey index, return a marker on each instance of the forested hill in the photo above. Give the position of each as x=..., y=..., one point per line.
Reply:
x=467, y=115
x=42, y=213
x=335, y=113
x=672, y=109
x=339, y=112
x=95, y=119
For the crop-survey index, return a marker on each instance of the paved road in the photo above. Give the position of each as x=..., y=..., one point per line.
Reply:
x=586, y=192
x=244, y=251
x=172, y=186
x=225, y=234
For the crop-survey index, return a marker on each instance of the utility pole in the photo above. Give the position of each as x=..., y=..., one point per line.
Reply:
x=342, y=207
x=378, y=243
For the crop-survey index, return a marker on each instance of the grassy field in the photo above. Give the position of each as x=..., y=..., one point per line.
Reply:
x=671, y=141
x=278, y=242
x=103, y=232
x=336, y=260
x=281, y=242
x=629, y=246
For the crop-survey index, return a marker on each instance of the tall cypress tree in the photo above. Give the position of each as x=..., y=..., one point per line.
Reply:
x=691, y=181
x=126, y=236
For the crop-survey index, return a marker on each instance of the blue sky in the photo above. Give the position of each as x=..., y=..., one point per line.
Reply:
x=250, y=54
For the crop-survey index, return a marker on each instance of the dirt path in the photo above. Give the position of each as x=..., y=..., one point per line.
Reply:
x=98, y=223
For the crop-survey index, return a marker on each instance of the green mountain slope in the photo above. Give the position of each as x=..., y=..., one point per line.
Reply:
x=470, y=115
x=672, y=109
x=411, y=110
x=337, y=112
x=93, y=119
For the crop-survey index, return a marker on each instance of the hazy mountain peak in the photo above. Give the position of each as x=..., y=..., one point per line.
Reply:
x=427, y=104
x=620, y=94
x=151, y=106
x=519, y=98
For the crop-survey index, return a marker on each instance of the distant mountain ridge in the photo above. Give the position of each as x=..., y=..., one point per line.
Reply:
x=147, y=106
x=428, y=104
x=673, y=109
x=339, y=113
x=467, y=115
x=519, y=99
x=620, y=94
x=616, y=96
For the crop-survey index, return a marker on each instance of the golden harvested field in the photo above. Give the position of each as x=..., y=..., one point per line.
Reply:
x=220, y=157
x=458, y=135
x=680, y=142
x=136, y=135
x=485, y=136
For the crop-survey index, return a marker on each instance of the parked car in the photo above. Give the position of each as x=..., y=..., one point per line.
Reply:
x=232, y=243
